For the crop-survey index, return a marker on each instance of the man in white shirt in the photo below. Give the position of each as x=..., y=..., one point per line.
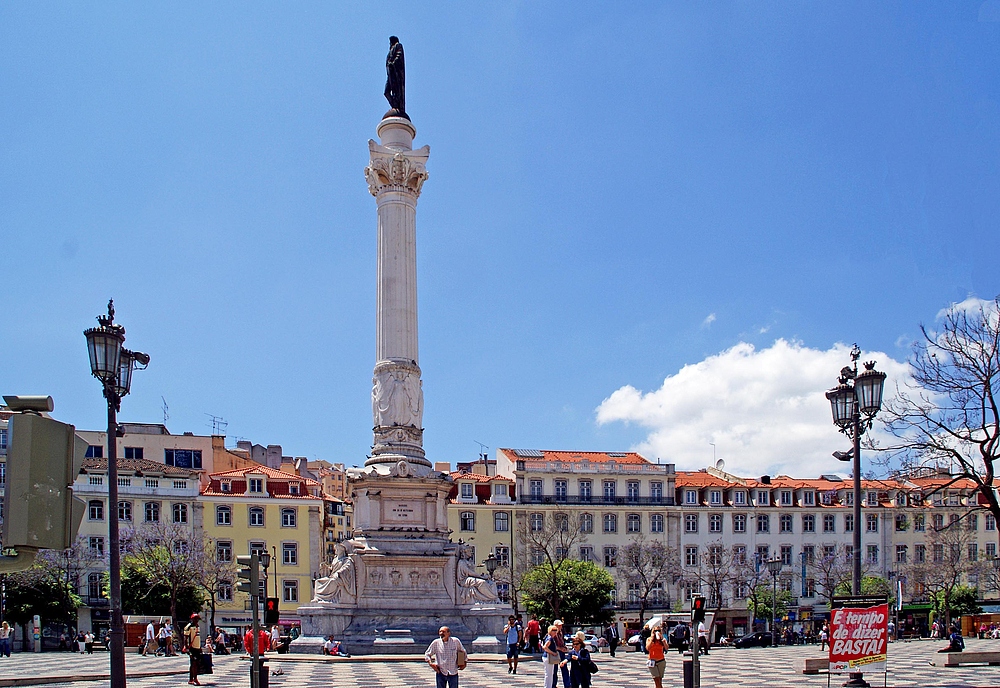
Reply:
x=702, y=637
x=150, y=640
x=442, y=655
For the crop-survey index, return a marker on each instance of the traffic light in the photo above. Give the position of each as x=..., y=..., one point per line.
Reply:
x=697, y=608
x=44, y=457
x=271, y=611
x=249, y=574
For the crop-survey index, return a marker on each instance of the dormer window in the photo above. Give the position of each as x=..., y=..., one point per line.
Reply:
x=809, y=498
x=786, y=498
x=715, y=497
x=849, y=498
x=500, y=490
x=763, y=498
x=226, y=486
x=691, y=496
x=872, y=498
x=467, y=491
x=255, y=485
x=739, y=497
x=293, y=488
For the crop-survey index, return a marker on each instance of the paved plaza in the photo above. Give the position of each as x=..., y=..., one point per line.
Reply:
x=909, y=666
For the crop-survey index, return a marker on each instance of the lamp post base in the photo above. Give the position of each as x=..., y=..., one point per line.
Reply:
x=856, y=681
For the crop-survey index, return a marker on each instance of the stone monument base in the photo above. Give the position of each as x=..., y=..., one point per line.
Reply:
x=399, y=632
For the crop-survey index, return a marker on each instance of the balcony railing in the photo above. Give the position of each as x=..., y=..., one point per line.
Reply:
x=596, y=500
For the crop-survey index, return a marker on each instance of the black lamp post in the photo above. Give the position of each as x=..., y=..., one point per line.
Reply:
x=113, y=364
x=491, y=563
x=774, y=565
x=854, y=402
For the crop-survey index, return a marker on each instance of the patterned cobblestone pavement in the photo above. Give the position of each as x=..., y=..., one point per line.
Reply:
x=910, y=664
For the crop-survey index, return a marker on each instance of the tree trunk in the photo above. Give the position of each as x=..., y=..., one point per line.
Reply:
x=642, y=612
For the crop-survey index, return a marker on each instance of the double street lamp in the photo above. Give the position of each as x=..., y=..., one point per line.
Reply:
x=855, y=401
x=774, y=565
x=112, y=364
x=491, y=563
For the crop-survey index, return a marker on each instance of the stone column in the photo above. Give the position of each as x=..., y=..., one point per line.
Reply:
x=395, y=176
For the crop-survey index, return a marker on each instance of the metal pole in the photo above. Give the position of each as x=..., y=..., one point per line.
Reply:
x=856, y=577
x=116, y=636
x=774, y=609
x=255, y=601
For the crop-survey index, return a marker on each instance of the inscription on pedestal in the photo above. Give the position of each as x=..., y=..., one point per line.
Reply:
x=402, y=511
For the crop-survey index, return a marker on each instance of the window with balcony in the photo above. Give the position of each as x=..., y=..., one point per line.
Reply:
x=785, y=523
x=715, y=523
x=808, y=523
x=656, y=523
x=633, y=523
x=501, y=521
x=610, y=523
x=691, y=523
x=609, y=489
x=586, y=488
x=560, y=489
x=535, y=489
x=290, y=553
x=739, y=523
x=632, y=490
x=255, y=516
x=289, y=518
x=656, y=491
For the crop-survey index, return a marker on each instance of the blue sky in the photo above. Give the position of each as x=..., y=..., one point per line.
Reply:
x=616, y=191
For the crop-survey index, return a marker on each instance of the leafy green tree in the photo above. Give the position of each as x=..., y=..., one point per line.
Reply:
x=964, y=601
x=763, y=600
x=870, y=585
x=141, y=596
x=581, y=593
x=40, y=590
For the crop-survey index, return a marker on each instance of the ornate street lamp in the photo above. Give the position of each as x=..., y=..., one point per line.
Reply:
x=855, y=401
x=491, y=562
x=113, y=364
x=774, y=566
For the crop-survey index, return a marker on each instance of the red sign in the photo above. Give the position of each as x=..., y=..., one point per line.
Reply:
x=858, y=638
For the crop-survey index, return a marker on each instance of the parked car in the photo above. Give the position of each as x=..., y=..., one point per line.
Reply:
x=591, y=642
x=754, y=640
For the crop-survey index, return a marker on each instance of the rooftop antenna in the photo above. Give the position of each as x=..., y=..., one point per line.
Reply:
x=166, y=411
x=713, y=450
x=219, y=424
x=482, y=450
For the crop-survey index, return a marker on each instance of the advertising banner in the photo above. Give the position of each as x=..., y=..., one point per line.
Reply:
x=859, y=636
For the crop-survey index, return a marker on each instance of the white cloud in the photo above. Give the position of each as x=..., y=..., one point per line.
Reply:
x=764, y=409
x=709, y=319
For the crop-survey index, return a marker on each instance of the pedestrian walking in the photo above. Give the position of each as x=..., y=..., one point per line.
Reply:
x=680, y=637
x=551, y=658
x=612, y=636
x=89, y=643
x=703, y=643
x=824, y=637
x=656, y=647
x=534, y=631
x=5, y=639
x=275, y=637
x=263, y=639
x=513, y=633
x=191, y=643
x=579, y=662
x=446, y=656
x=81, y=642
x=150, y=639
x=563, y=652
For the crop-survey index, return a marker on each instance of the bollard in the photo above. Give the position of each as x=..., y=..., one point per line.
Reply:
x=688, y=670
x=265, y=672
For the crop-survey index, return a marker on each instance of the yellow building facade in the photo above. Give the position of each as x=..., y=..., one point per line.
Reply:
x=266, y=510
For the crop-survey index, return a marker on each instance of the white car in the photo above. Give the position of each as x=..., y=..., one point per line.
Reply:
x=590, y=641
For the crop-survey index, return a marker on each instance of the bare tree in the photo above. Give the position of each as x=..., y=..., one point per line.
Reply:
x=717, y=572
x=643, y=566
x=168, y=554
x=548, y=540
x=216, y=570
x=950, y=413
x=830, y=570
x=947, y=563
x=749, y=575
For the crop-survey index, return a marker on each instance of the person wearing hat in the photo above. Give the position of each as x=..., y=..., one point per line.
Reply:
x=192, y=643
x=563, y=652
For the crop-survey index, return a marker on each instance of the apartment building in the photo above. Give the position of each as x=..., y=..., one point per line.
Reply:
x=266, y=510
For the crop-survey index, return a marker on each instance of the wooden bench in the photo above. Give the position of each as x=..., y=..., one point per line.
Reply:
x=812, y=665
x=954, y=659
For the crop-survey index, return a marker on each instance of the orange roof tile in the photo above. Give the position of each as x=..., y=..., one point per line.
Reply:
x=463, y=475
x=269, y=472
x=577, y=456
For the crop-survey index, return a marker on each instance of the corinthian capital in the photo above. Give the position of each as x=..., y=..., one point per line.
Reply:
x=393, y=170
